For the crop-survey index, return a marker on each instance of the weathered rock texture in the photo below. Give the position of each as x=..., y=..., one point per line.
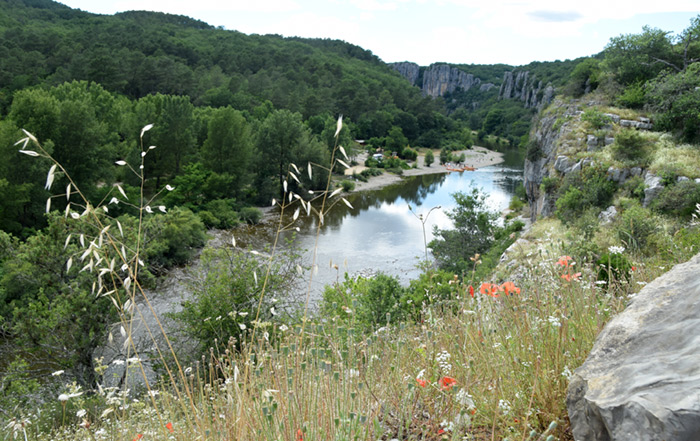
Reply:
x=547, y=137
x=525, y=87
x=439, y=79
x=641, y=381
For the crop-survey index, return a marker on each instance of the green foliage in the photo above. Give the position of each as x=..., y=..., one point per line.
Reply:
x=581, y=190
x=550, y=184
x=679, y=199
x=172, y=238
x=50, y=307
x=250, y=215
x=613, y=267
x=226, y=293
x=409, y=154
x=368, y=302
x=445, y=156
x=595, y=118
x=347, y=185
x=630, y=146
x=676, y=98
x=636, y=227
x=585, y=76
x=534, y=151
x=429, y=158
x=634, y=96
x=632, y=58
x=473, y=232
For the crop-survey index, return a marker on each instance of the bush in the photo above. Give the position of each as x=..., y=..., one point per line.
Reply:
x=409, y=154
x=347, y=185
x=630, y=146
x=678, y=199
x=250, y=215
x=595, y=118
x=429, y=158
x=223, y=210
x=583, y=190
x=366, y=300
x=549, y=185
x=635, y=228
x=613, y=267
x=226, y=294
x=175, y=237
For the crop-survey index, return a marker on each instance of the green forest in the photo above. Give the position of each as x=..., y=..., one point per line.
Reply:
x=197, y=126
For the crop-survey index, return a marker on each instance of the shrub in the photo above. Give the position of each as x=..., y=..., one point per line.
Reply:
x=635, y=227
x=250, y=215
x=595, y=118
x=176, y=236
x=223, y=210
x=515, y=203
x=549, y=185
x=347, y=185
x=367, y=300
x=629, y=145
x=429, y=158
x=678, y=199
x=582, y=190
x=613, y=267
x=409, y=154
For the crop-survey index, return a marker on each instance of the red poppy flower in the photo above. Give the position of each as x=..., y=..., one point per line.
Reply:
x=634, y=268
x=169, y=426
x=489, y=289
x=300, y=435
x=564, y=261
x=138, y=437
x=509, y=288
x=446, y=383
x=420, y=382
x=471, y=290
x=441, y=431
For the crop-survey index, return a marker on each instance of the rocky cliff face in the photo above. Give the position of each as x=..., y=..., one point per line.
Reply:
x=641, y=381
x=526, y=88
x=542, y=156
x=440, y=79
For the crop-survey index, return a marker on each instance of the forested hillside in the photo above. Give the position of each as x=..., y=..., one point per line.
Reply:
x=164, y=126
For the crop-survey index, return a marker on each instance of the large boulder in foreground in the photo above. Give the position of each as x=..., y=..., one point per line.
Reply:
x=641, y=380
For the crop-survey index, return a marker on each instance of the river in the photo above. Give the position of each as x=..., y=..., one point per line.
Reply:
x=380, y=232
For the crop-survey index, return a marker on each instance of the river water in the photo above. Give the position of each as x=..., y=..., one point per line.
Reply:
x=380, y=232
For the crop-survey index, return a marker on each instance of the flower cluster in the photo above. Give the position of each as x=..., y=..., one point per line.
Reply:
x=492, y=289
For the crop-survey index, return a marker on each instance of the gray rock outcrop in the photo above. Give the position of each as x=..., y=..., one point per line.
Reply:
x=439, y=79
x=653, y=187
x=408, y=70
x=525, y=87
x=641, y=381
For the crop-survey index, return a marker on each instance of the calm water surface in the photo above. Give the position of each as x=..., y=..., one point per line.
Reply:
x=380, y=233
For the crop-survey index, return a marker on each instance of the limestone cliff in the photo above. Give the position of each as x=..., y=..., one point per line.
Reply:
x=439, y=79
x=526, y=88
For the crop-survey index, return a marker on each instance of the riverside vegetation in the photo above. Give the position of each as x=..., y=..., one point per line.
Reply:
x=473, y=350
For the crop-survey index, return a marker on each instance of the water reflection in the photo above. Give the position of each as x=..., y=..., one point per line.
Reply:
x=380, y=233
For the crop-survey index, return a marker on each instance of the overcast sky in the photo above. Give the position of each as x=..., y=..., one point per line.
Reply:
x=513, y=32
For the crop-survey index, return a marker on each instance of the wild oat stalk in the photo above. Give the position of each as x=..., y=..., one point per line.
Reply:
x=117, y=265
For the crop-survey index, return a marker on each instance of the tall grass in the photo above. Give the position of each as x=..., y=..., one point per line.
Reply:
x=486, y=364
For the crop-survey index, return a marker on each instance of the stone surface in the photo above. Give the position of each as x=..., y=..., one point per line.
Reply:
x=609, y=140
x=641, y=381
x=562, y=164
x=408, y=70
x=608, y=215
x=520, y=85
x=653, y=188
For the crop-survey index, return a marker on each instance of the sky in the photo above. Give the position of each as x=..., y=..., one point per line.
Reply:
x=514, y=32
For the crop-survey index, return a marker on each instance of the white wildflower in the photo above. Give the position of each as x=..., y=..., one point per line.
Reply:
x=616, y=250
